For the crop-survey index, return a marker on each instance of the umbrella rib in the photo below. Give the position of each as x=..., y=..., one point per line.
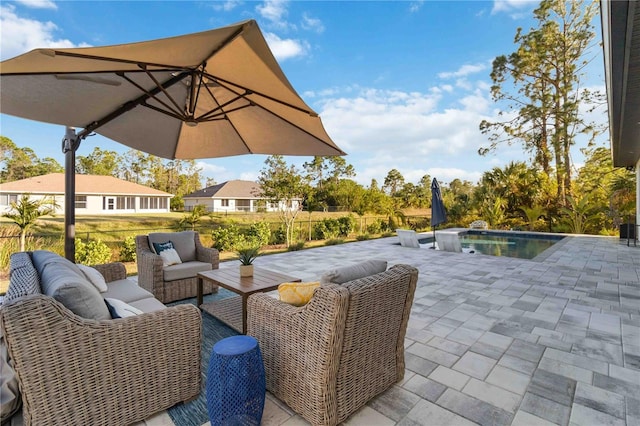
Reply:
x=219, y=109
x=126, y=107
x=117, y=60
x=210, y=117
x=255, y=103
x=249, y=91
x=158, y=86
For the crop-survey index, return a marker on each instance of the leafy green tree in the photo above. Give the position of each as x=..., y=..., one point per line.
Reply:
x=393, y=182
x=26, y=211
x=607, y=188
x=135, y=167
x=283, y=186
x=375, y=200
x=99, y=162
x=542, y=111
x=22, y=163
x=622, y=199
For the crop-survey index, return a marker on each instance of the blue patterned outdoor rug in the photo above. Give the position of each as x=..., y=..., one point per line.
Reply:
x=194, y=413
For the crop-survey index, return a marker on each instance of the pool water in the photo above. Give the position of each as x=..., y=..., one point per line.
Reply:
x=525, y=246
x=504, y=243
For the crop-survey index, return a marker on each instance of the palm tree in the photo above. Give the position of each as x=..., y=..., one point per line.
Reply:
x=25, y=212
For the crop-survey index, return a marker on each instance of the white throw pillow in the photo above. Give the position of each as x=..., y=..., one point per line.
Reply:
x=94, y=277
x=170, y=257
x=123, y=309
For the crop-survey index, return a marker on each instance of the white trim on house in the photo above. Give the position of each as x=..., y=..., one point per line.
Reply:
x=232, y=196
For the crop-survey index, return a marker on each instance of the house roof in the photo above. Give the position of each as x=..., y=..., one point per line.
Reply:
x=229, y=189
x=621, y=41
x=53, y=183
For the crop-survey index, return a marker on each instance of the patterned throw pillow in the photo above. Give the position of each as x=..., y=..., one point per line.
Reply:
x=297, y=294
x=168, y=253
x=160, y=247
x=24, y=279
x=119, y=309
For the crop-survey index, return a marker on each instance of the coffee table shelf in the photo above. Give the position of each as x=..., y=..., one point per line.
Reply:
x=228, y=310
x=233, y=310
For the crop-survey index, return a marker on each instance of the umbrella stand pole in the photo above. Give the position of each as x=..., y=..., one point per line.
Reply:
x=70, y=145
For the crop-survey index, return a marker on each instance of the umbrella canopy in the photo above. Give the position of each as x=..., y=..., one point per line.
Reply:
x=211, y=94
x=438, y=213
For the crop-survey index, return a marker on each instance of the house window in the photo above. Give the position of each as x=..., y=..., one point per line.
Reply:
x=153, y=203
x=81, y=201
x=6, y=199
x=224, y=203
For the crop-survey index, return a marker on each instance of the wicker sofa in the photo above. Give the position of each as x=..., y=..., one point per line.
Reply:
x=325, y=360
x=90, y=369
x=174, y=282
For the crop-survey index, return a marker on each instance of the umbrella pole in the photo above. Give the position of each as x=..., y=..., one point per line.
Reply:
x=434, y=238
x=70, y=144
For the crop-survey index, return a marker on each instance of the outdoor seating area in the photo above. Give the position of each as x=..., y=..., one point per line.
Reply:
x=489, y=340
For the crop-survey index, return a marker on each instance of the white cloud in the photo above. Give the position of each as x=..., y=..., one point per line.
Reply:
x=286, y=48
x=514, y=8
x=226, y=6
x=464, y=71
x=409, y=131
x=19, y=35
x=415, y=6
x=312, y=24
x=38, y=4
x=274, y=11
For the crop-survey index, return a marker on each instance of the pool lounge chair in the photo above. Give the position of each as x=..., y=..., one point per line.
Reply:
x=409, y=238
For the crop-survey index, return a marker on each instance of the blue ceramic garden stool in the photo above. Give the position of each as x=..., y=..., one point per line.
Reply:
x=235, y=382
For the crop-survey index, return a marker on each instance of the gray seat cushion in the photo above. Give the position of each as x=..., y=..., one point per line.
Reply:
x=184, y=242
x=126, y=290
x=185, y=270
x=150, y=304
x=62, y=280
x=353, y=272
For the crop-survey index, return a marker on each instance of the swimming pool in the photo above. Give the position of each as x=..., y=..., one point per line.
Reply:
x=523, y=246
x=505, y=243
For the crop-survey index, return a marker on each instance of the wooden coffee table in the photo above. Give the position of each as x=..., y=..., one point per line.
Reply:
x=233, y=310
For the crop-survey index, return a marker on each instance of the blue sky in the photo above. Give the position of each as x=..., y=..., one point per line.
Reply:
x=398, y=84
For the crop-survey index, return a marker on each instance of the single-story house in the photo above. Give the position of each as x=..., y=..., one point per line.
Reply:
x=232, y=196
x=94, y=194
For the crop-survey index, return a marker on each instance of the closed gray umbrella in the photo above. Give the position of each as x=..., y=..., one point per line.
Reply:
x=438, y=213
x=212, y=94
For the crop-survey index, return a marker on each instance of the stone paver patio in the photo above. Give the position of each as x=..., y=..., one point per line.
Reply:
x=499, y=341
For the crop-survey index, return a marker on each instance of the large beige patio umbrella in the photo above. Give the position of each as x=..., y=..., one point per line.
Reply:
x=211, y=94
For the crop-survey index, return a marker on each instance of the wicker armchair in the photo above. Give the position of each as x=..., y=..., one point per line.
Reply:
x=326, y=359
x=175, y=282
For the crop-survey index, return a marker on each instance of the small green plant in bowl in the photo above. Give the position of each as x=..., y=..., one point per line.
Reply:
x=247, y=255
